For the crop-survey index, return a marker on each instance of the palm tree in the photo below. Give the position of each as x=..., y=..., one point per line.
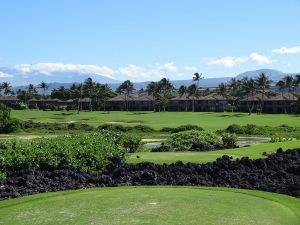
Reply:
x=193, y=91
x=222, y=90
x=281, y=85
x=165, y=88
x=183, y=90
x=1, y=88
x=289, y=85
x=88, y=87
x=235, y=88
x=43, y=86
x=152, y=89
x=6, y=87
x=249, y=88
x=126, y=88
x=263, y=82
x=197, y=77
x=76, y=93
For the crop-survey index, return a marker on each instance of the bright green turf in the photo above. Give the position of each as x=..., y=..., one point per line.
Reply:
x=253, y=152
x=207, y=120
x=153, y=205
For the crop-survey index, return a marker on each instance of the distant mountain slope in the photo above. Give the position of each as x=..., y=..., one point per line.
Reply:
x=17, y=78
x=56, y=80
x=274, y=75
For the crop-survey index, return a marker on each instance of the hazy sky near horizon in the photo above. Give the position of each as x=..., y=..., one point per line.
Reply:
x=147, y=39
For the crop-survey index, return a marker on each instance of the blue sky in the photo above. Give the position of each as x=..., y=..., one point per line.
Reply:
x=147, y=39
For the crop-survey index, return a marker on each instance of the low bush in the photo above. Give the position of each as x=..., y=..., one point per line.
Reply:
x=183, y=141
x=57, y=126
x=229, y=140
x=8, y=124
x=181, y=128
x=251, y=129
x=87, y=152
x=130, y=142
x=120, y=128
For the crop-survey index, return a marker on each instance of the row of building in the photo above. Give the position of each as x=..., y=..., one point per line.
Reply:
x=213, y=102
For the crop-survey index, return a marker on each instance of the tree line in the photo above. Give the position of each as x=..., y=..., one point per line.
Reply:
x=162, y=91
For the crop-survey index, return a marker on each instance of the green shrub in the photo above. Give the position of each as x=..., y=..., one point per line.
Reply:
x=181, y=128
x=8, y=124
x=131, y=142
x=120, y=128
x=87, y=152
x=2, y=176
x=249, y=129
x=184, y=140
x=229, y=140
x=234, y=128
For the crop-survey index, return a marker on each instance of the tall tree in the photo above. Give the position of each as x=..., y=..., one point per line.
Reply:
x=152, y=89
x=263, y=82
x=289, y=85
x=222, y=90
x=183, y=91
x=126, y=88
x=249, y=89
x=281, y=85
x=88, y=88
x=165, y=89
x=1, y=88
x=235, y=91
x=77, y=93
x=6, y=88
x=43, y=86
x=194, y=92
x=197, y=77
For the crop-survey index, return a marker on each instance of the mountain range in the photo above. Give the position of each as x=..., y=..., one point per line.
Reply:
x=20, y=80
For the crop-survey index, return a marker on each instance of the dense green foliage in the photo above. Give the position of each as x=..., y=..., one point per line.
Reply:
x=183, y=141
x=8, y=124
x=181, y=128
x=87, y=152
x=277, y=133
x=120, y=128
x=57, y=126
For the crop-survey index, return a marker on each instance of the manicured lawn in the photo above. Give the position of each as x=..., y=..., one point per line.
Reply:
x=153, y=205
x=253, y=152
x=207, y=120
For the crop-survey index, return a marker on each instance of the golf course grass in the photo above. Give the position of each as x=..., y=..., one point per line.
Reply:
x=153, y=205
x=207, y=120
x=252, y=152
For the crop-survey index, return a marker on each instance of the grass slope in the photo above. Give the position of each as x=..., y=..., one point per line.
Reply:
x=208, y=120
x=253, y=152
x=153, y=205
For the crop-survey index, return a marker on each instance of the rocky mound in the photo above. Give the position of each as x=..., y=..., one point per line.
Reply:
x=279, y=172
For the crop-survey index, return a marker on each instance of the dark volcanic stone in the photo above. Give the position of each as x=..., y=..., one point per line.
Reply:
x=279, y=172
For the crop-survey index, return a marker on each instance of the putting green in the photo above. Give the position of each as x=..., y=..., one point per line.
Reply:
x=153, y=205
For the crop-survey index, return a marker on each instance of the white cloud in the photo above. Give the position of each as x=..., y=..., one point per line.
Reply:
x=49, y=68
x=259, y=59
x=228, y=61
x=285, y=50
x=232, y=61
x=139, y=72
x=192, y=69
x=168, y=67
x=5, y=75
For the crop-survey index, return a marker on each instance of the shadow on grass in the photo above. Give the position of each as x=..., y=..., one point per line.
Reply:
x=63, y=114
x=235, y=115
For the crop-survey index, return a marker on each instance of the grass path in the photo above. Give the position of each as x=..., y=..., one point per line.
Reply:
x=253, y=152
x=153, y=205
x=208, y=120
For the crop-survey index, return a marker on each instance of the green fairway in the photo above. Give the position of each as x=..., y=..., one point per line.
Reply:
x=207, y=120
x=153, y=205
x=253, y=152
